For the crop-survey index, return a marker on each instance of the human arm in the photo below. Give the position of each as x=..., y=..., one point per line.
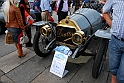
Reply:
x=22, y=13
x=103, y=1
x=47, y=9
x=107, y=18
x=19, y=19
x=106, y=12
x=48, y=14
x=37, y=8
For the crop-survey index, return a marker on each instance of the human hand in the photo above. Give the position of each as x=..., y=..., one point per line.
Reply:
x=27, y=25
x=68, y=8
x=49, y=17
x=23, y=31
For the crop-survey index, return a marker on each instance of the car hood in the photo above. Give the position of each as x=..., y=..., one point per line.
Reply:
x=1, y=15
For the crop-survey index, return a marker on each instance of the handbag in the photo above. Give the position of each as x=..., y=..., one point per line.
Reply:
x=28, y=19
x=8, y=38
x=23, y=38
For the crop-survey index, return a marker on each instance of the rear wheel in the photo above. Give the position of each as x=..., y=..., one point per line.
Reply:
x=99, y=58
x=39, y=44
x=2, y=28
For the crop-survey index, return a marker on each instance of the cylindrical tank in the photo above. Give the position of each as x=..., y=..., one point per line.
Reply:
x=88, y=20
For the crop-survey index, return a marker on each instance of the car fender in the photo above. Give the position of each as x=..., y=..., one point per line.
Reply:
x=103, y=33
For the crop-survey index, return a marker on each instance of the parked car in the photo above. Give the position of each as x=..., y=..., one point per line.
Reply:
x=2, y=21
x=77, y=32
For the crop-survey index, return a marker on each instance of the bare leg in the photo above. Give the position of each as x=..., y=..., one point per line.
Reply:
x=20, y=52
x=19, y=47
x=113, y=79
x=16, y=46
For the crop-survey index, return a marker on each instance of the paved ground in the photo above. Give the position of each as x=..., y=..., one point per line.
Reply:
x=35, y=69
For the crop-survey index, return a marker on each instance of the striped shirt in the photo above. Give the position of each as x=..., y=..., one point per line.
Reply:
x=117, y=6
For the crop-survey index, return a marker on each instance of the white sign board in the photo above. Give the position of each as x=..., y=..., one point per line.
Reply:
x=58, y=64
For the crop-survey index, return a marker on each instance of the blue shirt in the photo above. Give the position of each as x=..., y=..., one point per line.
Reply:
x=45, y=5
x=38, y=5
x=86, y=1
x=117, y=6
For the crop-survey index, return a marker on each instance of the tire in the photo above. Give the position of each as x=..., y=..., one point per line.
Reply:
x=99, y=58
x=2, y=28
x=39, y=43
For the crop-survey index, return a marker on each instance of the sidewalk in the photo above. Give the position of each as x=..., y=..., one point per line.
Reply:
x=35, y=69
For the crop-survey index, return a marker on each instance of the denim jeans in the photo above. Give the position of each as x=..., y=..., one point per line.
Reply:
x=15, y=33
x=116, y=58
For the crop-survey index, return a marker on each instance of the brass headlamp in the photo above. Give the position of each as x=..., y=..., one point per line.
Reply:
x=45, y=30
x=78, y=37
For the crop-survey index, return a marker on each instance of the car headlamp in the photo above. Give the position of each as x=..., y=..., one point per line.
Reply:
x=45, y=30
x=78, y=37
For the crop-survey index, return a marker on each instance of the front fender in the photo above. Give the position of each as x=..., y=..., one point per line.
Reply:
x=40, y=23
x=103, y=33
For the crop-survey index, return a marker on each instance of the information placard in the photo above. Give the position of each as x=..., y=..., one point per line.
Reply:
x=58, y=64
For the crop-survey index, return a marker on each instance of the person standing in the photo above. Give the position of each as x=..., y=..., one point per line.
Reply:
x=24, y=5
x=37, y=11
x=63, y=7
x=46, y=10
x=77, y=4
x=14, y=23
x=116, y=44
x=87, y=3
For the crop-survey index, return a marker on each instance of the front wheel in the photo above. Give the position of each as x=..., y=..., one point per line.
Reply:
x=39, y=44
x=99, y=58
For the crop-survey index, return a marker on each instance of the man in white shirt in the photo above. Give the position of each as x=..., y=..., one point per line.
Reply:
x=46, y=9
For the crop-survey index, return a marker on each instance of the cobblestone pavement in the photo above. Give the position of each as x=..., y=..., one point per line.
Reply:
x=35, y=69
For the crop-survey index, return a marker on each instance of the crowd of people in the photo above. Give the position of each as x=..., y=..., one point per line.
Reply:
x=15, y=17
x=15, y=22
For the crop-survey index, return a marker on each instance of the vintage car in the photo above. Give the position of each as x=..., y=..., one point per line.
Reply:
x=2, y=22
x=80, y=33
